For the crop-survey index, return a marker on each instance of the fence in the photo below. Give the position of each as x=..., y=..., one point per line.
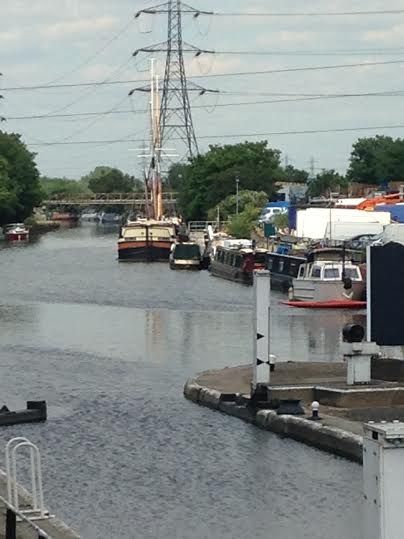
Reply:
x=200, y=226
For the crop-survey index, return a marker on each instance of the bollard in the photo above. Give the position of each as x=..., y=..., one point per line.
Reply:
x=11, y=525
x=315, y=407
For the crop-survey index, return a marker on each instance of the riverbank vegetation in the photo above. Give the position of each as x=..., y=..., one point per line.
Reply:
x=20, y=190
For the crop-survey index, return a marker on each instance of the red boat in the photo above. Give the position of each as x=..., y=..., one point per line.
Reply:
x=16, y=232
x=331, y=304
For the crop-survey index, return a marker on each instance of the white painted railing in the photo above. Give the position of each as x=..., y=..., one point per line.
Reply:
x=38, y=510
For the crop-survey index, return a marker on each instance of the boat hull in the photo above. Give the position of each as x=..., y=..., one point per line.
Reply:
x=185, y=265
x=17, y=236
x=230, y=273
x=334, y=304
x=315, y=290
x=144, y=251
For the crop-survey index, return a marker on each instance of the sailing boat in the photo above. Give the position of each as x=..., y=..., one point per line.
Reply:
x=150, y=239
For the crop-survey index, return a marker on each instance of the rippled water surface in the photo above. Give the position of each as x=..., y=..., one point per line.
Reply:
x=109, y=346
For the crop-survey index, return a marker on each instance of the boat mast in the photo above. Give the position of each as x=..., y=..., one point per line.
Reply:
x=155, y=146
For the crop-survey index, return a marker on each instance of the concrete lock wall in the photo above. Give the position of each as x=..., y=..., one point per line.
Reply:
x=330, y=439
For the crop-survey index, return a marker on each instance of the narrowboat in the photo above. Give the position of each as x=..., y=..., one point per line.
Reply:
x=107, y=218
x=329, y=275
x=146, y=241
x=185, y=255
x=16, y=232
x=283, y=268
x=237, y=264
x=64, y=216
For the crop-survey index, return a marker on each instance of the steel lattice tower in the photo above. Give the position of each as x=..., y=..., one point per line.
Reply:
x=175, y=112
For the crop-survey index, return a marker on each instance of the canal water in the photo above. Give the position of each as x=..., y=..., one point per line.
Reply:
x=109, y=346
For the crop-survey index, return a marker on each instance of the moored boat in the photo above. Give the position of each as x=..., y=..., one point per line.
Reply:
x=284, y=268
x=237, y=264
x=329, y=275
x=185, y=255
x=109, y=218
x=64, y=216
x=146, y=241
x=16, y=232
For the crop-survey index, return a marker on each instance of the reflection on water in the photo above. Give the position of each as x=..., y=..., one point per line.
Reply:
x=125, y=455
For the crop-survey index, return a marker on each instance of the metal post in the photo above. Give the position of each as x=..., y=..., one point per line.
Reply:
x=11, y=525
x=237, y=200
x=383, y=477
x=261, y=337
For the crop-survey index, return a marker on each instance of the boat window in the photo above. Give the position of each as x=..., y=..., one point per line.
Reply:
x=270, y=263
x=186, y=252
x=260, y=258
x=301, y=271
x=352, y=273
x=316, y=272
x=293, y=268
x=331, y=273
x=281, y=266
x=238, y=261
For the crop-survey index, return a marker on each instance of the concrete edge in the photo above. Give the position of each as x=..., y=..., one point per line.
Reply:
x=316, y=434
x=58, y=524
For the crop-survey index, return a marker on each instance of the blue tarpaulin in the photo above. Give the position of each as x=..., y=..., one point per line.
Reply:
x=396, y=211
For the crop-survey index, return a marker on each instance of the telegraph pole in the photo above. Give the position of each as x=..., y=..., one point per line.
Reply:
x=175, y=112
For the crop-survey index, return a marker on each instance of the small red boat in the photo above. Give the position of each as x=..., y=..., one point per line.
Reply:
x=16, y=232
x=331, y=304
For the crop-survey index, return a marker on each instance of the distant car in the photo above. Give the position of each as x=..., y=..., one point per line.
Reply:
x=270, y=213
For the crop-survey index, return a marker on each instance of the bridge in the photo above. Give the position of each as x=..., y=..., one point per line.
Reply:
x=107, y=199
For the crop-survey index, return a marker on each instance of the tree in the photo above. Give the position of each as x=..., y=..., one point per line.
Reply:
x=243, y=224
x=8, y=198
x=228, y=206
x=20, y=191
x=377, y=160
x=209, y=178
x=109, y=180
x=297, y=175
x=62, y=186
x=325, y=183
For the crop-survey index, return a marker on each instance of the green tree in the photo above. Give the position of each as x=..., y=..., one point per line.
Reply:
x=62, y=186
x=19, y=179
x=109, y=180
x=8, y=198
x=243, y=224
x=228, y=206
x=209, y=178
x=376, y=160
x=325, y=183
x=292, y=174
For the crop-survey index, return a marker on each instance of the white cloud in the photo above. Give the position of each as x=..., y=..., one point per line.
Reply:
x=65, y=29
x=392, y=35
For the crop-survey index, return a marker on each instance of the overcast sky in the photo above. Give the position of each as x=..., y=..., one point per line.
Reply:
x=73, y=41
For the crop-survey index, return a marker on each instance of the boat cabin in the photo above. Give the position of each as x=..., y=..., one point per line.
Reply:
x=284, y=268
x=185, y=255
x=329, y=271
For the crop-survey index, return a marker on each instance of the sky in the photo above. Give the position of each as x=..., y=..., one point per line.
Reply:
x=62, y=42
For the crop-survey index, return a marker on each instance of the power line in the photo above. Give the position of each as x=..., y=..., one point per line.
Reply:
x=331, y=52
x=312, y=97
x=107, y=82
x=306, y=13
x=228, y=136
